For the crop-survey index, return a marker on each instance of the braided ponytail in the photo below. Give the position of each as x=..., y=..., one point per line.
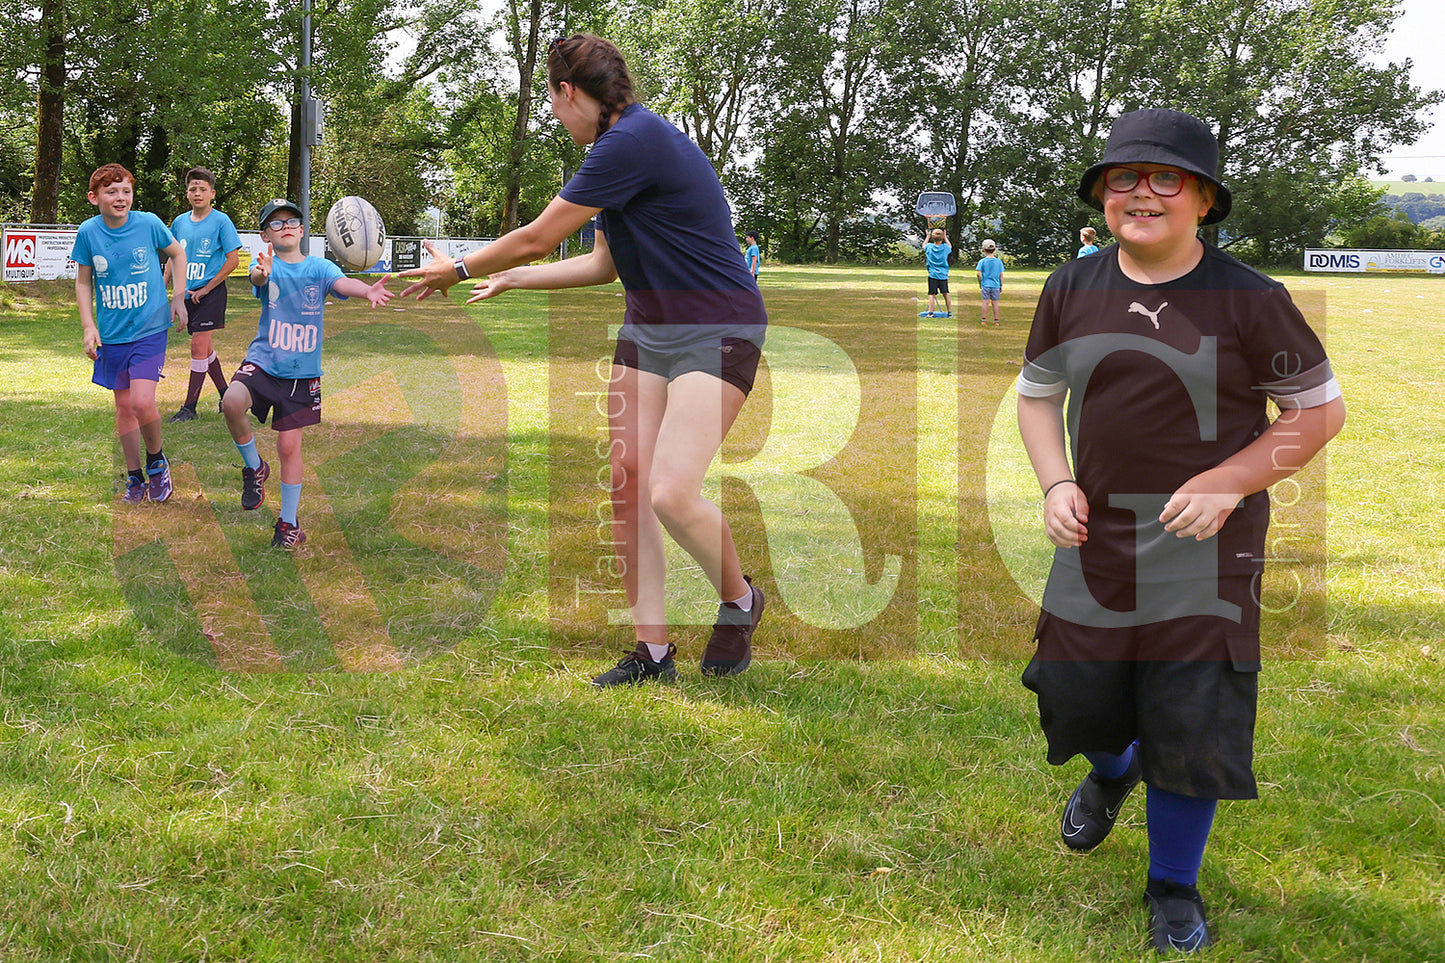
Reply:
x=597, y=68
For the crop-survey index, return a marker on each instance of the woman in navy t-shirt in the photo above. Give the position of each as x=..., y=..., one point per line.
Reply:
x=687, y=352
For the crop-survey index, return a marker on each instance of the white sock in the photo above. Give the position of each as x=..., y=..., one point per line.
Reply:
x=658, y=652
x=746, y=602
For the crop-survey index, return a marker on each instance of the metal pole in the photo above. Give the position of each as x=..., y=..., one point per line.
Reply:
x=305, y=173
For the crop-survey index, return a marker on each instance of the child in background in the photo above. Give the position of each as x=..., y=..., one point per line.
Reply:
x=211, y=245
x=1086, y=242
x=753, y=255
x=990, y=282
x=935, y=255
x=120, y=294
x=1148, y=643
x=281, y=376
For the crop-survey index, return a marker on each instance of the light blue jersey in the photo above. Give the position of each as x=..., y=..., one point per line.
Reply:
x=936, y=256
x=288, y=340
x=990, y=272
x=207, y=242
x=130, y=287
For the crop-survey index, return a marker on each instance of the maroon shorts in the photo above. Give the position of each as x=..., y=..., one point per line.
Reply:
x=296, y=402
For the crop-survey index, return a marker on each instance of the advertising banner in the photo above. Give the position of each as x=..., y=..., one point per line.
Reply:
x=1359, y=262
x=38, y=253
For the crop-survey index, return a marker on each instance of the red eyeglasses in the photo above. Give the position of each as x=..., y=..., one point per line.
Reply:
x=1165, y=183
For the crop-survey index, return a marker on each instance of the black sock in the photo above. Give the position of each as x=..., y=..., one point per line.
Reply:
x=139, y=474
x=151, y=459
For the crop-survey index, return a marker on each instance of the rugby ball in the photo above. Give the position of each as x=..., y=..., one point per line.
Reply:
x=355, y=234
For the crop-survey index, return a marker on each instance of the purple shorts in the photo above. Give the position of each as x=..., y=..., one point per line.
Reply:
x=117, y=365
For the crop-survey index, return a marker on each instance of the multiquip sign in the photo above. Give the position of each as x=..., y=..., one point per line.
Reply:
x=38, y=254
x=1358, y=262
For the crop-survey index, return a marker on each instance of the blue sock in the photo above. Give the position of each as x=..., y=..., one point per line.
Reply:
x=1111, y=767
x=248, y=453
x=290, y=501
x=1178, y=830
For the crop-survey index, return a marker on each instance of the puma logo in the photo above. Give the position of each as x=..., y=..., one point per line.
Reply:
x=1136, y=308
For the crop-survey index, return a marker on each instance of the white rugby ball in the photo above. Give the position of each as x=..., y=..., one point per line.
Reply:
x=355, y=234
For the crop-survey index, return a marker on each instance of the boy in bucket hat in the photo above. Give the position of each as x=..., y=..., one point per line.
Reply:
x=1148, y=642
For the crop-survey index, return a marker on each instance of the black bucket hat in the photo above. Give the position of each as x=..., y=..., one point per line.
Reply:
x=1161, y=136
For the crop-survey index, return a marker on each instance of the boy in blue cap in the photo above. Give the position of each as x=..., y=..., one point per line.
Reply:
x=281, y=376
x=1148, y=643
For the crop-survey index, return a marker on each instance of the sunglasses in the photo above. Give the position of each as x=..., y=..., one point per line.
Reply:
x=1165, y=183
x=277, y=224
x=557, y=46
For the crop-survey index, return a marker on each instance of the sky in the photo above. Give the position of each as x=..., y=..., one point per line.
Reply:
x=1419, y=34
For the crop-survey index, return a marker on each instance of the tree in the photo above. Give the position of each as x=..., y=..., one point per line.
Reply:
x=702, y=63
x=834, y=60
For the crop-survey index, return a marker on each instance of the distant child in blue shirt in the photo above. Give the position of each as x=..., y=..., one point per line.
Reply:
x=120, y=291
x=281, y=376
x=1086, y=242
x=990, y=282
x=753, y=255
x=935, y=255
x=211, y=255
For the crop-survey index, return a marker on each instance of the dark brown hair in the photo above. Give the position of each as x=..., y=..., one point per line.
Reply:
x=595, y=67
x=199, y=174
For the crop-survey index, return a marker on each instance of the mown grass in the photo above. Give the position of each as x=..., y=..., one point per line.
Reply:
x=860, y=794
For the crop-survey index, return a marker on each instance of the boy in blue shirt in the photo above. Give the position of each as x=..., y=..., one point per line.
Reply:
x=753, y=256
x=120, y=293
x=211, y=244
x=990, y=282
x=282, y=370
x=935, y=255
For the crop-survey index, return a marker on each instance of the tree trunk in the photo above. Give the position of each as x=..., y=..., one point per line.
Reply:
x=50, y=114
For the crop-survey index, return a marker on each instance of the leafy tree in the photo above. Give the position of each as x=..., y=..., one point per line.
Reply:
x=1383, y=232
x=701, y=63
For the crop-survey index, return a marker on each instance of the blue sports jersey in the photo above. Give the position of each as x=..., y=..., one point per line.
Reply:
x=207, y=242
x=130, y=287
x=936, y=256
x=990, y=271
x=288, y=339
x=670, y=233
x=1088, y=249
x=753, y=258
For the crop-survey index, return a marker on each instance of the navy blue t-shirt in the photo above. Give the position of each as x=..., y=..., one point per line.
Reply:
x=670, y=233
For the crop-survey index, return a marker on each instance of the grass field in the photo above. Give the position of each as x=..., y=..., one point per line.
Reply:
x=385, y=748
x=1406, y=187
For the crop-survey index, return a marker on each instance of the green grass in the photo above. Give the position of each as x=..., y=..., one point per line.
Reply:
x=1407, y=187
x=862, y=793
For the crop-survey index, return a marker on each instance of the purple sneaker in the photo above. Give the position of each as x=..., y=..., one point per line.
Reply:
x=135, y=491
x=159, y=474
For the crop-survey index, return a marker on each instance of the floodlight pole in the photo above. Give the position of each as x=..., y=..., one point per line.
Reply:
x=304, y=177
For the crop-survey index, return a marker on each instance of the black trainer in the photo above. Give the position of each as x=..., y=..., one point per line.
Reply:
x=1176, y=917
x=1095, y=805
x=638, y=666
x=186, y=413
x=253, y=485
x=287, y=535
x=730, y=648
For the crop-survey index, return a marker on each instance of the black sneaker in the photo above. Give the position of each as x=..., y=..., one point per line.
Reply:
x=730, y=648
x=638, y=666
x=253, y=485
x=287, y=535
x=1095, y=805
x=186, y=413
x=1176, y=917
